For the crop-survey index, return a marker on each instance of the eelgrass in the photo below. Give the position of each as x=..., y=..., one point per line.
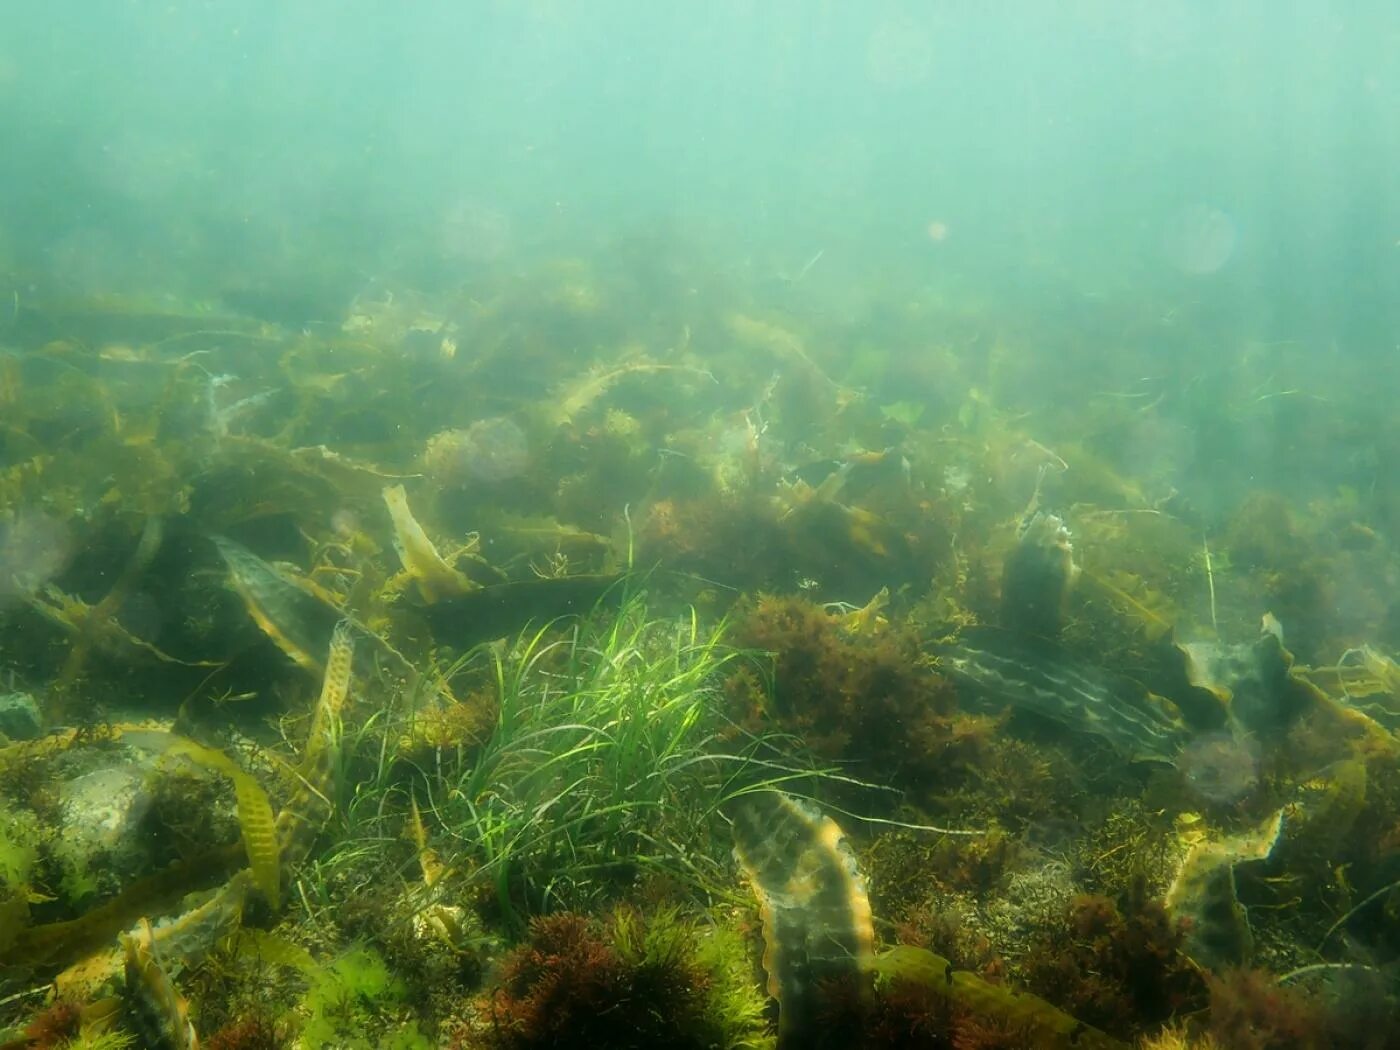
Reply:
x=611, y=760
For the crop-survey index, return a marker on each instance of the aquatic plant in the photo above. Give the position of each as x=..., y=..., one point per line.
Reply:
x=609, y=762
x=1119, y=965
x=248, y=1034
x=867, y=699
x=355, y=1002
x=591, y=761
x=53, y=1026
x=1250, y=1010
x=629, y=982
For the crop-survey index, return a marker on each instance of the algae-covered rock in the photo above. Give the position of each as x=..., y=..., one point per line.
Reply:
x=99, y=843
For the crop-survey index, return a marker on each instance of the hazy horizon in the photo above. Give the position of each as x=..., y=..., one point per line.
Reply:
x=1237, y=155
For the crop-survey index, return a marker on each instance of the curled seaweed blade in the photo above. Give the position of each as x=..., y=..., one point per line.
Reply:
x=160, y=1011
x=301, y=819
x=435, y=578
x=255, y=818
x=334, y=689
x=297, y=621
x=817, y=927
x=1203, y=893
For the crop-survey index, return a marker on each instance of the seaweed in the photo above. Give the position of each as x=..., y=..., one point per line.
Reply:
x=866, y=698
x=848, y=520
x=1119, y=965
x=630, y=982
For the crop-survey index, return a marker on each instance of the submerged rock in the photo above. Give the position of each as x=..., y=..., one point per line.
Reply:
x=20, y=718
x=100, y=844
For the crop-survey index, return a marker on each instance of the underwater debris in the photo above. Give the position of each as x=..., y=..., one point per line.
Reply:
x=817, y=930
x=1042, y=679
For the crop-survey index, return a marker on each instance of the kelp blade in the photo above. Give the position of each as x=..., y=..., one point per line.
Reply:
x=1041, y=678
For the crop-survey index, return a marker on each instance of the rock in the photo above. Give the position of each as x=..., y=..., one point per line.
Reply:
x=19, y=716
x=100, y=845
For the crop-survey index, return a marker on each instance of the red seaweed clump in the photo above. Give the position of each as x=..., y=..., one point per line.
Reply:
x=1250, y=1010
x=53, y=1026
x=1117, y=968
x=569, y=986
x=249, y=1033
x=858, y=694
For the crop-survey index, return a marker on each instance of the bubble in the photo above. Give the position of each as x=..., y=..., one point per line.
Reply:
x=1220, y=768
x=345, y=523
x=34, y=548
x=489, y=450
x=1199, y=239
x=937, y=230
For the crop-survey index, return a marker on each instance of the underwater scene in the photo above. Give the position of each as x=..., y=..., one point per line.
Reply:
x=728, y=526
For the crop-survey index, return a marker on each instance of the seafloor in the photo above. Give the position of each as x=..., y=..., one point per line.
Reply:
x=617, y=654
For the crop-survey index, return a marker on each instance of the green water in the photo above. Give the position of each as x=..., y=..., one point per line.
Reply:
x=501, y=443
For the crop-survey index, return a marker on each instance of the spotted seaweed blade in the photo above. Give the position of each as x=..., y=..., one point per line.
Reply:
x=296, y=621
x=817, y=930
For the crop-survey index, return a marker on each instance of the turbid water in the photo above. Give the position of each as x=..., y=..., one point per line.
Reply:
x=542, y=524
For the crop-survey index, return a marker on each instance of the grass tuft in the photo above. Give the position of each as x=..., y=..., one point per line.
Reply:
x=611, y=760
